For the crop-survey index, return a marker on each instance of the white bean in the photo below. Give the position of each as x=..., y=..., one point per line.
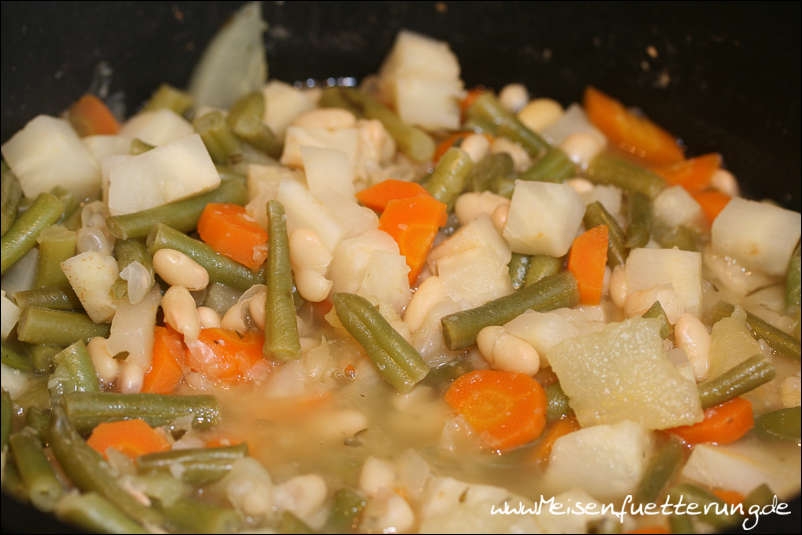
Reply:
x=234, y=318
x=388, y=513
x=581, y=147
x=256, y=308
x=178, y=269
x=328, y=118
x=208, y=317
x=131, y=377
x=500, y=215
x=725, y=182
x=618, y=286
x=505, y=351
x=540, y=113
x=308, y=251
x=312, y=285
x=376, y=474
x=691, y=336
x=106, y=366
x=790, y=391
x=180, y=311
x=301, y=495
x=429, y=293
x=248, y=487
x=520, y=157
x=513, y=97
x=471, y=205
x=476, y=145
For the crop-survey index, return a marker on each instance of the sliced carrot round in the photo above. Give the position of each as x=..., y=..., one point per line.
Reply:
x=131, y=437
x=228, y=229
x=722, y=424
x=225, y=355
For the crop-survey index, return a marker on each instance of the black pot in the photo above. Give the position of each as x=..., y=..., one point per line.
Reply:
x=723, y=76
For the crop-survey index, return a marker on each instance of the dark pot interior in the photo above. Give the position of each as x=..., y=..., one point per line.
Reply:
x=725, y=76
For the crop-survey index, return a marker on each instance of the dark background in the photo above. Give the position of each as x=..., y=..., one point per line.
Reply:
x=726, y=77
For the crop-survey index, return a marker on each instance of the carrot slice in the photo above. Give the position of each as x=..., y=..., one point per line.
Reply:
x=631, y=133
x=165, y=370
x=722, y=424
x=89, y=116
x=506, y=409
x=712, y=203
x=693, y=174
x=413, y=223
x=378, y=195
x=225, y=355
x=732, y=497
x=228, y=229
x=558, y=429
x=131, y=437
x=587, y=260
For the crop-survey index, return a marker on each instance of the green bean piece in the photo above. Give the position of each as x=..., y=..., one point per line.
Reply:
x=56, y=244
x=779, y=341
x=488, y=110
x=220, y=141
x=12, y=482
x=440, y=377
x=712, y=510
x=503, y=185
x=478, y=125
x=450, y=176
x=245, y=120
x=491, y=167
x=663, y=465
x=460, y=329
x=220, y=267
x=10, y=198
x=190, y=515
x=139, y=147
x=14, y=356
x=332, y=97
x=131, y=250
x=608, y=168
x=782, y=423
x=21, y=236
x=38, y=420
x=738, y=380
x=181, y=215
x=39, y=325
x=639, y=210
x=95, y=513
x=289, y=523
x=281, y=327
x=169, y=97
x=542, y=266
x=412, y=141
x=793, y=281
x=89, y=472
x=518, y=266
x=56, y=298
x=38, y=476
x=596, y=214
x=198, y=466
x=85, y=410
x=345, y=513
x=682, y=237
x=221, y=297
x=42, y=357
x=397, y=361
x=36, y=395
x=554, y=166
x=557, y=405
x=74, y=371
x=656, y=311
x=681, y=524
x=6, y=415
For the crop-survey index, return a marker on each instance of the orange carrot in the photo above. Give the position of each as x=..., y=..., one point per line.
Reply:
x=89, y=116
x=469, y=99
x=634, y=134
x=229, y=230
x=558, y=429
x=165, y=370
x=732, y=497
x=712, y=203
x=378, y=195
x=586, y=262
x=693, y=174
x=506, y=409
x=131, y=437
x=722, y=424
x=413, y=223
x=225, y=355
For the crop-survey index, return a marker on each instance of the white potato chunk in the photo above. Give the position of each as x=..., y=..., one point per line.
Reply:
x=102, y=146
x=9, y=313
x=91, y=275
x=674, y=207
x=157, y=127
x=283, y=103
x=304, y=210
x=648, y=267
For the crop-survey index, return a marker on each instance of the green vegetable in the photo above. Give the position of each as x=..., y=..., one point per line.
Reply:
x=197, y=466
x=74, y=371
x=596, y=214
x=281, y=328
x=656, y=311
x=793, y=281
x=554, y=166
x=48, y=297
x=738, y=380
x=450, y=176
x=491, y=167
x=56, y=244
x=6, y=415
x=39, y=325
x=190, y=515
x=95, y=513
x=663, y=465
x=10, y=198
x=779, y=341
x=220, y=141
x=21, y=236
x=245, y=120
x=542, y=266
x=782, y=423
x=518, y=266
x=345, y=511
x=37, y=474
x=639, y=210
x=607, y=168
x=14, y=356
x=488, y=110
x=556, y=402
x=167, y=96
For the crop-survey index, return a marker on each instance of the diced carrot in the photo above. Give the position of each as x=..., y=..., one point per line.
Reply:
x=228, y=229
x=413, y=223
x=586, y=261
x=165, y=370
x=712, y=203
x=635, y=135
x=378, y=195
x=722, y=424
x=221, y=441
x=693, y=174
x=89, y=116
x=131, y=437
x=469, y=99
x=558, y=429
x=225, y=355
x=732, y=497
x=506, y=409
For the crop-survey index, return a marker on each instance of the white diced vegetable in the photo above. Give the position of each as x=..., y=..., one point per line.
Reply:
x=607, y=461
x=473, y=276
x=157, y=127
x=674, y=207
x=132, y=332
x=428, y=102
x=621, y=373
x=91, y=275
x=303, y=210
x=102, y=146
x=731, y=343
x=477, y=234
x=385, y=280
x=9, y=313
x=543, y=219
x=328, y=171
x=21, y=275
x=760, y=235
x=352, y=255
x=47, y=153
x=731, y=275
x=647, y=268
x=608, y=196
x=572, y=121
x=283, y=103
x=14, y=381
x=167, y=173
x=345, y=140
x=263, y=183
